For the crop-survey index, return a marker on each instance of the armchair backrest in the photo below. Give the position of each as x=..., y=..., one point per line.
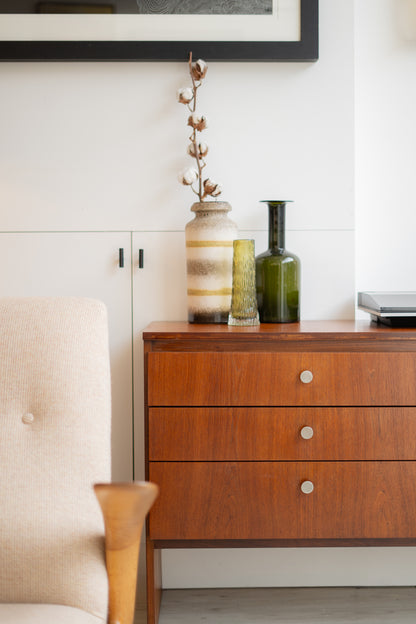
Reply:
x=54, y=444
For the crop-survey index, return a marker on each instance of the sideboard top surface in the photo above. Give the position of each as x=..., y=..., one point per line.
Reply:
x=350, y=334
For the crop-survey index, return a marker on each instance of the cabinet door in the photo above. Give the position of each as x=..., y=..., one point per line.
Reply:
x=82, y=264
x=159, y=294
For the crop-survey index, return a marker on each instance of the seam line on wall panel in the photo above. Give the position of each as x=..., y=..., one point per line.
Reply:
x=246, y=229
x=303, y=230
x=65, y=231
x=132, y=354
x=178, y=231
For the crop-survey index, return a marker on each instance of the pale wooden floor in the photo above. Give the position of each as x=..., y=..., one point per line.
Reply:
x=350, y=605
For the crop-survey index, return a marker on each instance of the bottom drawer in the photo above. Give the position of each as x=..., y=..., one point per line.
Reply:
x=264, y=500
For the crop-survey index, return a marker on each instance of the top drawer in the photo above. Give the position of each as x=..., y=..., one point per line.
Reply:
x=274, y=379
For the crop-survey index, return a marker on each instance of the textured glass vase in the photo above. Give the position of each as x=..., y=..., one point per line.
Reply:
x=209, y=259
x=243, y=299
x=278, y=273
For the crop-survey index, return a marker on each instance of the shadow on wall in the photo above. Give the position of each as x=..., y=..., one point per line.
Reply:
x=405, y=16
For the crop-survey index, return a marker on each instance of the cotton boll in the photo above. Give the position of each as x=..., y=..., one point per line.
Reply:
x=198, y=122
x=185, y=95
x=202, y=149
x=212, y=188
x=199, y=69
x=188, y=177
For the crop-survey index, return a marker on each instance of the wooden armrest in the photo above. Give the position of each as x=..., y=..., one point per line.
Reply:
x=124, y=507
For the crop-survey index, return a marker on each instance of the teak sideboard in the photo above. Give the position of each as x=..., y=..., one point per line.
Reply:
x=279, y=435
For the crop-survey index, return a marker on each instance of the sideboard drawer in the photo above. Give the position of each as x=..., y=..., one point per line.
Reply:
x=250, y=379
x=264, y=500
x=278, y=433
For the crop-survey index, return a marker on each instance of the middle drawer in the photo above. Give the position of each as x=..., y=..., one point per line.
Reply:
x=270, y=434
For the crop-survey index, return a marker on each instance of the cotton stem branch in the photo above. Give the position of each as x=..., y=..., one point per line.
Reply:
x=194, y=134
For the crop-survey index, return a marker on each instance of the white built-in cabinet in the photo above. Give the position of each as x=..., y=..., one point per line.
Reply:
x=87, y=264
x=159, y=292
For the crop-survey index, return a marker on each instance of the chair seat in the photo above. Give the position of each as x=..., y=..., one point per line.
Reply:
x=45, y=614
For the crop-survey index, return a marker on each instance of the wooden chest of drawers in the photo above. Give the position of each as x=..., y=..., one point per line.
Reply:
x=279, y=435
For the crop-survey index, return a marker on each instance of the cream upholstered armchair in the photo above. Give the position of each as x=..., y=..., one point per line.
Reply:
x=54, y=446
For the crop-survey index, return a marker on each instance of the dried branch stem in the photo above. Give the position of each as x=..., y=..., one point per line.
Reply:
x=195, y=86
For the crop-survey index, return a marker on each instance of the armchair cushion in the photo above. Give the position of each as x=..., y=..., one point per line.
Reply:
x=45, y=614
x=54, y=444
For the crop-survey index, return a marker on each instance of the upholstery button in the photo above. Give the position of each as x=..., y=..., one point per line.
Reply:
x=28, y=419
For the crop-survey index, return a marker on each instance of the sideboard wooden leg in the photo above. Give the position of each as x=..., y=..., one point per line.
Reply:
x=154, y=582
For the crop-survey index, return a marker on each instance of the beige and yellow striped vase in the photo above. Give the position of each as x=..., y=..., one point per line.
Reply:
x=209, y=258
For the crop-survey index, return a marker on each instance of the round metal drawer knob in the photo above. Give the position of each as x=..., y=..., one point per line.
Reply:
x=306, y=376
x=306, y=433
x=307, y=487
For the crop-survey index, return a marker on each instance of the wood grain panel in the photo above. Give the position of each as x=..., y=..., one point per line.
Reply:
x=263, y=500
x=272, y=379
x=259, y=434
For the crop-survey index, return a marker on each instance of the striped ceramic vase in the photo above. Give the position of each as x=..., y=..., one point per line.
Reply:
x=209, y=258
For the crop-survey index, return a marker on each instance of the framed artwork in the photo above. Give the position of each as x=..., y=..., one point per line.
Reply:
x=159, y=30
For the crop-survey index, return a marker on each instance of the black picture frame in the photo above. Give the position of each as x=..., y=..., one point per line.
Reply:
x=304, y=50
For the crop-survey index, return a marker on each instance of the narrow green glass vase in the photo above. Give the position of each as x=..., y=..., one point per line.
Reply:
x=277, y=273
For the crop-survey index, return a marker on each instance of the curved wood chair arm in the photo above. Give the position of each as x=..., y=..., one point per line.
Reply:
x=124, y=507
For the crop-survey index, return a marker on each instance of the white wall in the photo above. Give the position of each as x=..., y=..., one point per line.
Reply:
x=98, y=147
x=385, y=145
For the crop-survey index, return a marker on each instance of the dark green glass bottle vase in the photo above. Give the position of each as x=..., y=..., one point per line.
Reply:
x=277, y=273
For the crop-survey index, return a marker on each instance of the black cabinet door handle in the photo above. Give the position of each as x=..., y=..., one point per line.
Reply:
x=141, y=258
x=121, y=258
